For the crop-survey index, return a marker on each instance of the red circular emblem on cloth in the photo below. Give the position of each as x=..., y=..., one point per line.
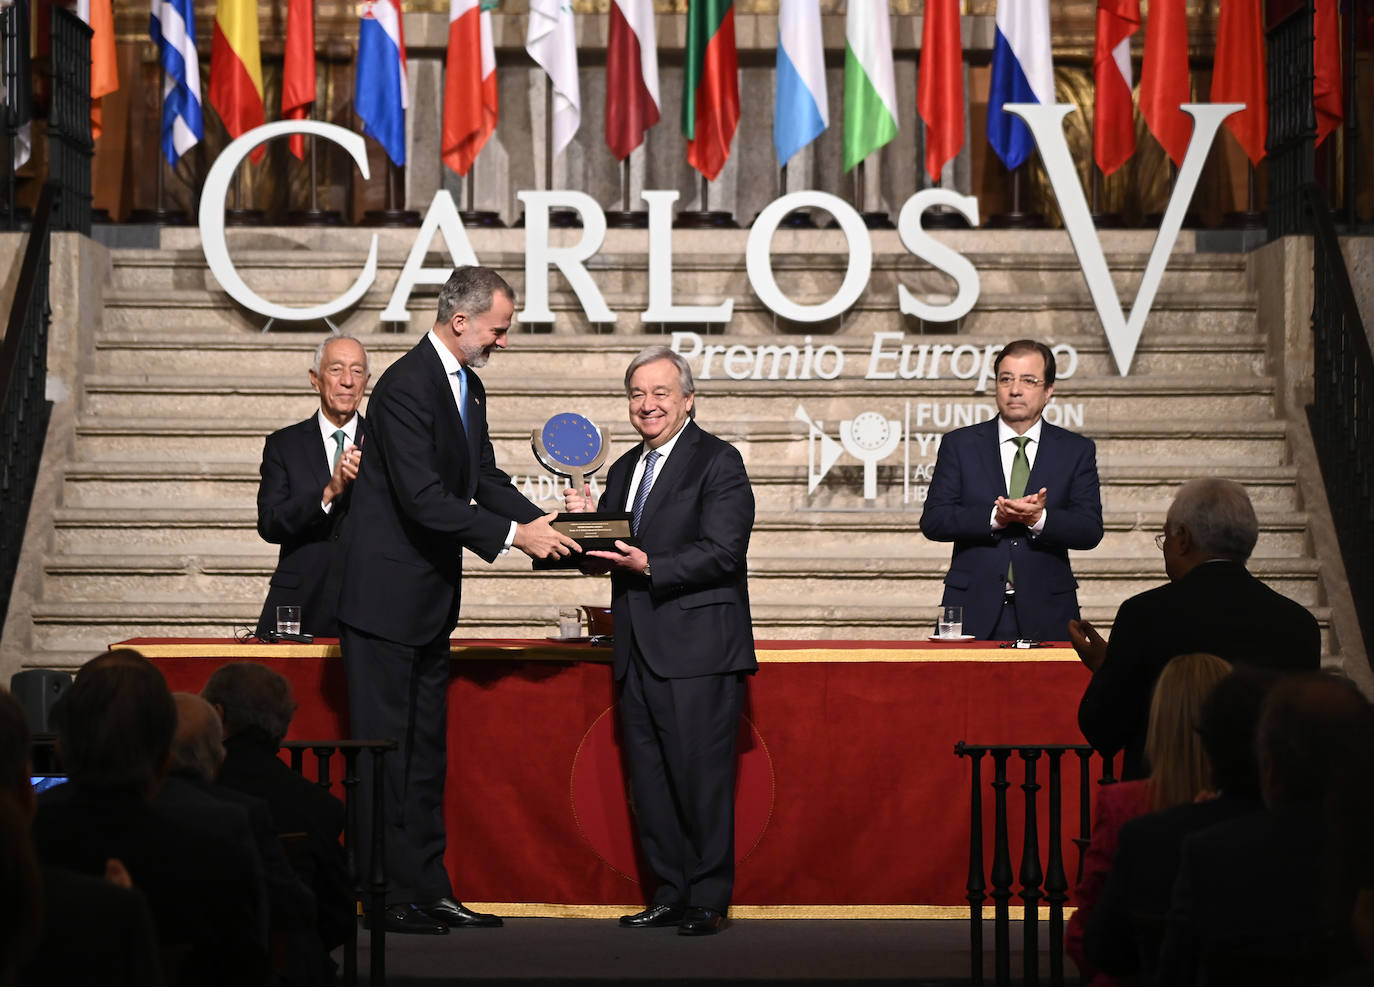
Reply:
x=601, y=800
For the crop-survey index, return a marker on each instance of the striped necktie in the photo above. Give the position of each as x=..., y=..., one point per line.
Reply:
x=645, y=482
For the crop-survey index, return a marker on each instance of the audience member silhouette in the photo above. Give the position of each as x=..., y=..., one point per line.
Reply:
x=114, y=736
x=1125, y=928
x=1267, y=898
x=1178, y=773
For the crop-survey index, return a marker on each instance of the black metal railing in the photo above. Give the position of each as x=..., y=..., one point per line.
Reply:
x=1047, y=882
x=1341, y=414
x=1291, y=142
x=70, y=146
x=14, y=53
x=24, y=407
x=374, y=889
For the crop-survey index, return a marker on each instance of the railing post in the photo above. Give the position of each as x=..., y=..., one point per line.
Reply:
x=1085, y=819
x=376, y=885
x=1056, y=882
x=1031, y=874
x=350, y=785
x=1001, y=869
x=976, y=885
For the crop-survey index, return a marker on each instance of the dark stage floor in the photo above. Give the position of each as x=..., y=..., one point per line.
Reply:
x=576, y=952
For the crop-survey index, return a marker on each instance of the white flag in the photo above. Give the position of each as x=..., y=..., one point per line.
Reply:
x=552, y=43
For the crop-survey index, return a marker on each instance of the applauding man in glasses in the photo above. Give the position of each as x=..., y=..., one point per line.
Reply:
x=1014, y=495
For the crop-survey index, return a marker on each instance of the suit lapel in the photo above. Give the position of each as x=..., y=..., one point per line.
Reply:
x=990, y=455
x=447, y=415
x=1044, y=458
x=672, y=473
x=312, y=452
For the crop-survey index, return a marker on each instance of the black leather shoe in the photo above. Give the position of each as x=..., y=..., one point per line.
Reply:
x=701, y=922
x=409, y=920
x=654, y=917
x=456, y=915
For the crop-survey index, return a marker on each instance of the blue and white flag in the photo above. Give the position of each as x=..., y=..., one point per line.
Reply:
x=172, y=24
x=800, y=112
x=380, y=93
x=1022, y=72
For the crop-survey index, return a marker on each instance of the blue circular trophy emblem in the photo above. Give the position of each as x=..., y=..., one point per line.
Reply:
x=570, y=445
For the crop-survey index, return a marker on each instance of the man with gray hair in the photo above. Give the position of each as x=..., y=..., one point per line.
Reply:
x=307, y=472
x=1212, y=604
x=428, y=489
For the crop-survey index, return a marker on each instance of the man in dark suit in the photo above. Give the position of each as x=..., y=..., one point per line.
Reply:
x=684, y=640
x=307, y=470
x=428, y=488
x=1212, y=604
x=1014, y=495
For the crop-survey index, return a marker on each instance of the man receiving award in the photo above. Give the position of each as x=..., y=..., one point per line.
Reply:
x=683, y=639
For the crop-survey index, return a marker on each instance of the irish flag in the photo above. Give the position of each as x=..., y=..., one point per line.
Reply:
x=710, y=91
x=470, y=106
x=99, y=15
x=236, y=69
x=870, y=89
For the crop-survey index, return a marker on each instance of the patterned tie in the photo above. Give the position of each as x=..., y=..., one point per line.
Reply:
x=340, y=437
x=1020, y=473
x=645, y=482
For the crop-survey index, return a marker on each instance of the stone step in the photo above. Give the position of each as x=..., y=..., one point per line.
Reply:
x=67, y=634
x=1125, y=486
x=193, y=531
x=1101, y=399
x=162, y=352
x=102, y=441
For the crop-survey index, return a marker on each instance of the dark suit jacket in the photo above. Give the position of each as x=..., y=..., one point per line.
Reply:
x=692, y=617
x=295, y=472
x=115, y=947
x=412, y=511
x=1218, y=608
x=968, y=480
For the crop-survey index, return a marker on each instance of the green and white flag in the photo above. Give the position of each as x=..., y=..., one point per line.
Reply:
x=870, y=90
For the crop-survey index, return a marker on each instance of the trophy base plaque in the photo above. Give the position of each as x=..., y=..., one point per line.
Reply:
x=595, y=532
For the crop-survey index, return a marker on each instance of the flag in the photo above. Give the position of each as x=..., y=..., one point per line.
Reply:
x=1326, y=64
x=236, y=69
x=172, y=24
x=1164, y=81
x=710, y=89
x=104, y=70
x=298, y=68
x=1022, y=72
x=800, y=111
x=940, y=84
x=552, y=42
x=870, y=89
x=1113, y=112
x=631, y=75
x=470, y=106
x=1238, y=73
x=380, y=93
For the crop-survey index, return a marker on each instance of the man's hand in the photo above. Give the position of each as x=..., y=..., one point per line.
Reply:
x=577, y=501
x=1090, y=645
x=627, y=559
x=117, y=874
x=1023, y=510
x=539, y=540
x=345, y=472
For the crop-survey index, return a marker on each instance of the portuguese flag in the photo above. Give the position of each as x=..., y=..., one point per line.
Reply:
x=710, y=102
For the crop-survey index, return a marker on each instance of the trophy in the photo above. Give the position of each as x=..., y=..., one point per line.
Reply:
x=570, y=445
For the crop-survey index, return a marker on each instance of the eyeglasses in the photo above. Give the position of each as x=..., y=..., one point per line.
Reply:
x=1006, y=380
x=1159, y=540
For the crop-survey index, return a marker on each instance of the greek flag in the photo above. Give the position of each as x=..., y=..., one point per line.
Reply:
x=172, y=25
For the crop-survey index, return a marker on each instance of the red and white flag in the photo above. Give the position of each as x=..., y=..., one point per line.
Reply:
x=1113, y=112
x=1326, y=62
x=470, y=106
x=1238, y=76
x=631, y=75
x=1164, y=80
x=298, y=68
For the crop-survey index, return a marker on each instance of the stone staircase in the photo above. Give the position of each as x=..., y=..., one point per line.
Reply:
x=152, y=532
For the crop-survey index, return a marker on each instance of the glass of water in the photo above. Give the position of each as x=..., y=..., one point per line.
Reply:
x=950, y=622
x=289, y=620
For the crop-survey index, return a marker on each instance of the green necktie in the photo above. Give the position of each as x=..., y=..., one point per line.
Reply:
x=340, y=437
x=1020, y=473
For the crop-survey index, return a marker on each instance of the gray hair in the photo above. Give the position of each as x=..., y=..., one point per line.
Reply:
x=470, y=290
x=198, y=745
x=655, y=353
x=334, y=338
x=252, y=695
x=1219, y=516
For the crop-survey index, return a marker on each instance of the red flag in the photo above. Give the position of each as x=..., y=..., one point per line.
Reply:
x=1326, y=62
x=940, y=84
x=710, y=103
x=631, y=75
x=1113, y=112
x=1238, y=75
x=1164, y=81
x=470, y=101
x=298, y=69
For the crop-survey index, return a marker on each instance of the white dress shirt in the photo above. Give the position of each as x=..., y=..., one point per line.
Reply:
x=638, y=476
x=1007, y=448
x=327, y=430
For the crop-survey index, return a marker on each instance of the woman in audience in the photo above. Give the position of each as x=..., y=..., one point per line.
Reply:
x=1178, y=773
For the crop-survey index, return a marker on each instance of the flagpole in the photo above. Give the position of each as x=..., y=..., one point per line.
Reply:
x=626, y=218
x=314, y=216
x=564, y=219
x=876, y=220
x=797, y=219
x=159, y=214
x=472, y=216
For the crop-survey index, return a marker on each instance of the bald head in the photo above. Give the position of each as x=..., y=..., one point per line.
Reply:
x=198, y=745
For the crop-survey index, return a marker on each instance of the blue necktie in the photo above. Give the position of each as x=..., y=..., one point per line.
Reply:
x=645, y=482
x=462, y=376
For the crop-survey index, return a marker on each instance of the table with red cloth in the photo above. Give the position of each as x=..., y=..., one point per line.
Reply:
x=850, y=800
